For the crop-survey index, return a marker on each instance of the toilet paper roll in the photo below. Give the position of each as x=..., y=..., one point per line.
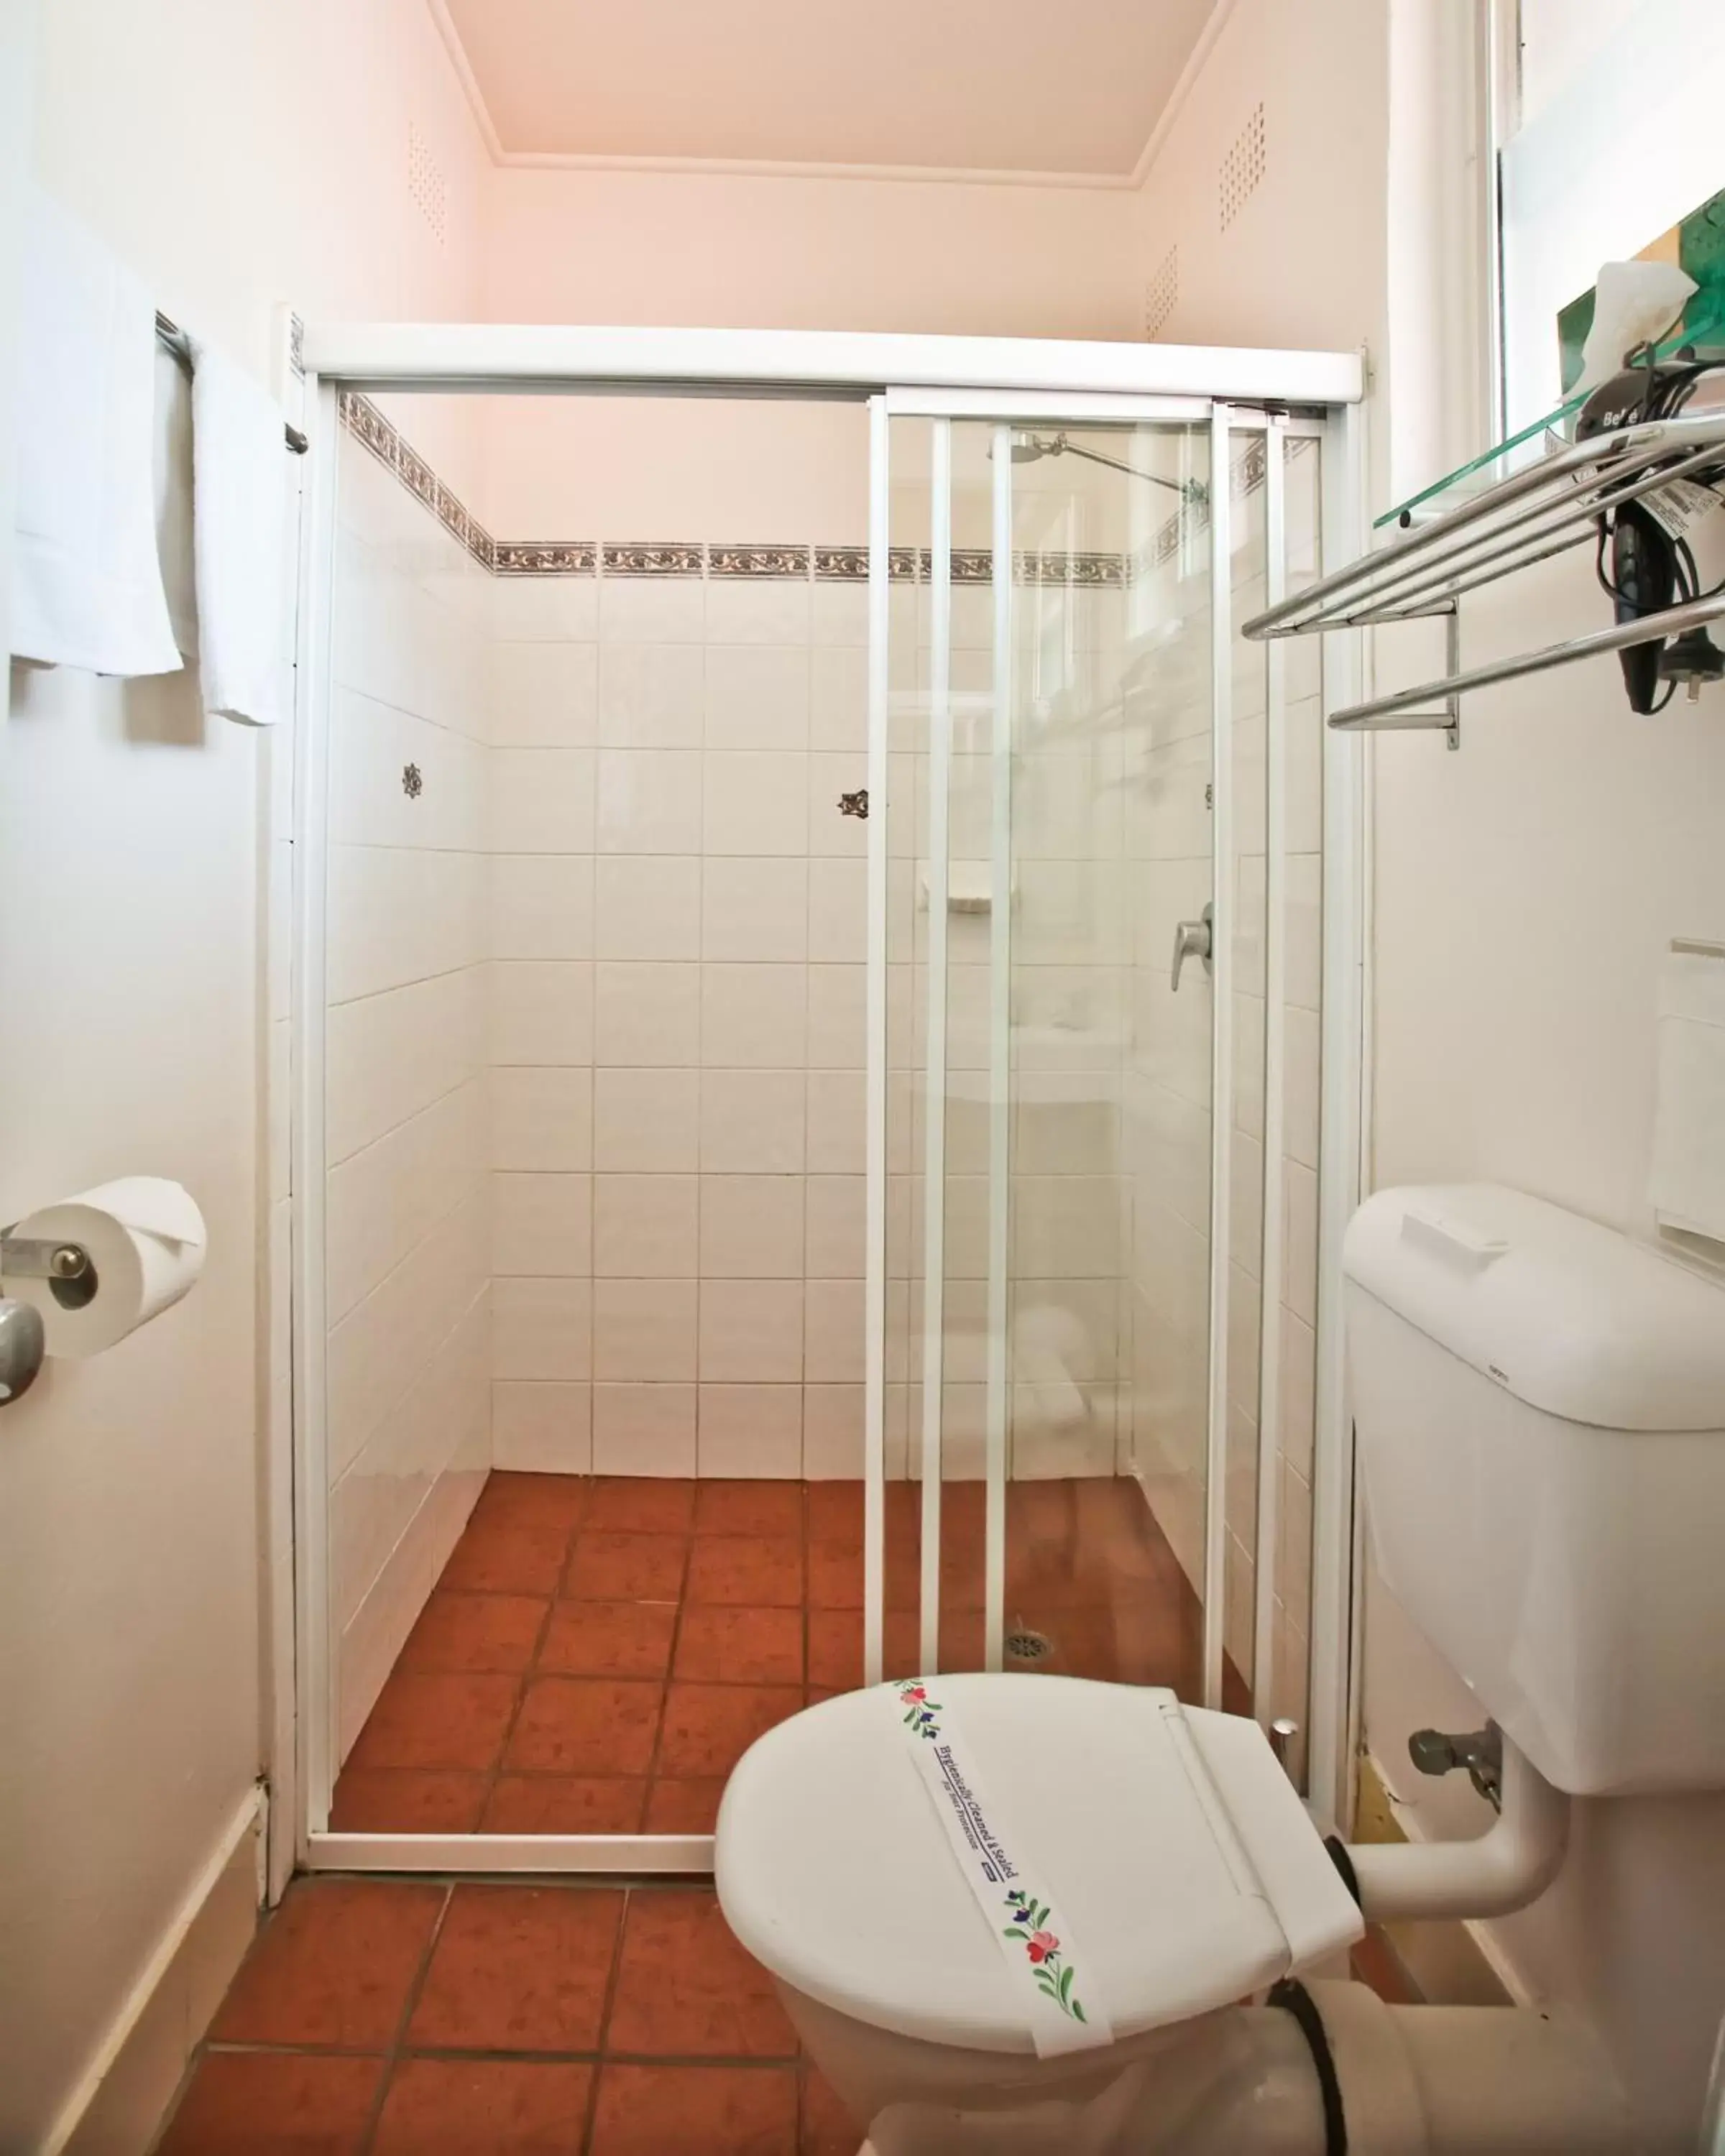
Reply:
x=145, y=1239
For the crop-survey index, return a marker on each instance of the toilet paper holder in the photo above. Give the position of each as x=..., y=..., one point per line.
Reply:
x=67, y=1268
x=32, y=1257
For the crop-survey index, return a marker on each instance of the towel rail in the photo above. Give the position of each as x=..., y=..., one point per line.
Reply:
x=174, y=339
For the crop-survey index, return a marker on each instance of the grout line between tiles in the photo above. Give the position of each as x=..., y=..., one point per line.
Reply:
x=397, y=2043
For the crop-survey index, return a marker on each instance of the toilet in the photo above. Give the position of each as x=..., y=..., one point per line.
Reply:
x=1540, y=1410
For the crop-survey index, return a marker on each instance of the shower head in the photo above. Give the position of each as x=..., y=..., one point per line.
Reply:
x=1028, y=448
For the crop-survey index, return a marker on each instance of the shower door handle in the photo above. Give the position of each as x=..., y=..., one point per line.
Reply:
x=1193, y=939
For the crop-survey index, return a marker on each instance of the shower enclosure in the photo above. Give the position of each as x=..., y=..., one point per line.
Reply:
x=827, y=1059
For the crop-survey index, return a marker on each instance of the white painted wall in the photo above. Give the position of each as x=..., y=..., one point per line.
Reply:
x=237, y=158
x=1528, y=1056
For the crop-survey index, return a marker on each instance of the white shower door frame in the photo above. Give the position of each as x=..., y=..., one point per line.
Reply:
x=1009, y=381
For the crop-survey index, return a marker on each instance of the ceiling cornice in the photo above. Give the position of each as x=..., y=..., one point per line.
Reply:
x=569, y=161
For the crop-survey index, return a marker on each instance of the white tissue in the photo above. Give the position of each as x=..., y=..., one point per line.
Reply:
x=1635, y=303
x=1687, y=1187
x=146, y=1238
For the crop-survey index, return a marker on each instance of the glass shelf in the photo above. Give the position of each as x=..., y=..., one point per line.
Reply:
x=1527, y=448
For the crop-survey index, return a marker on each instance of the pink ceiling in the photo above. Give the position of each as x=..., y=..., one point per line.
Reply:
x=1009, y=87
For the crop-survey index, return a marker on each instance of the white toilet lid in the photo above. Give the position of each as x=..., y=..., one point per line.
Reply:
x=1176, y=1849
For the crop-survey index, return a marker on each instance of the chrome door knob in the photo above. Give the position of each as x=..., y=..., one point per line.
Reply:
x=1193, y=939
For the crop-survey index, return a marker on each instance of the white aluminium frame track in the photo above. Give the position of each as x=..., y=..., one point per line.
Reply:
x=1005, y=380
x=999, y=1373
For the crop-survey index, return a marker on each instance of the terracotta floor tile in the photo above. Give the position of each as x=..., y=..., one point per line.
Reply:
x=505, y=1557
x=835, y=1647
x=640, y=1504
x=474, y=1632
x=585, y=1726
x=564, y=1804
x=427, y=1722
x=722, y=1645
x=760, y=1570
x=524, y=1499
x=609, y=1639
x=484, y=2107
x=835, y=1513
x=835, y=1576
x=262, y=2103
x=691, y=1806
x=695, y=2110
x=333, y=1966
x=519, y=1968
x=708, y=1727
x=687, y=1990
x=383, y=1801
x=827, y=2129
x=619, y=1566
x=748, y=1508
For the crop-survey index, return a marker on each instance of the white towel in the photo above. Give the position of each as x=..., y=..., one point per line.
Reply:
x=240, y=505
x=1688, y=1181
x=87, y=586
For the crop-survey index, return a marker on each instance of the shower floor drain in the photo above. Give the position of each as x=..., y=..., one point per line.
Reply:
x=1024, y=1646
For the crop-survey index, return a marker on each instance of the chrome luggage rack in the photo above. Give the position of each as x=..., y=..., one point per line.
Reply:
x=1553, y=506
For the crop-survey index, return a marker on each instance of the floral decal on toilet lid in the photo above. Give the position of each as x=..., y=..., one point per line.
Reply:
x=920, y=1710
x=1054, y=1974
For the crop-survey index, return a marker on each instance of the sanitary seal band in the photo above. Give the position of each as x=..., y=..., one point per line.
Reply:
x=1062, y=2010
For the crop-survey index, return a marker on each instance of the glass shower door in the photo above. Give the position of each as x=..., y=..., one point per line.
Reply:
x=1053, y=1359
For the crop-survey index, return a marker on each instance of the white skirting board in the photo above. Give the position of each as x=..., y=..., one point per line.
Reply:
x=119, y=2102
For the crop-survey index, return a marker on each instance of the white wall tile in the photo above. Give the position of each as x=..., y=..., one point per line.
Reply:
x=389, y=1055
x=834, y=1246
x=838, y=911
x=647, y=907
x=751, y=1330
x=751, y=1430
x=542, y=906
x=649, y=801
x=838, y=614
x=646, y=1121
x=651, y=696
x=753, y=1123
x=647, y=1015
x=756, y=802
x=839, y=699
x=544, y=696
x=833, y=1339
x=754, y=1016
x=541, y=1011
x=645, y=1226
x=385, y=1199
x=544, y=609
x=755, y=910
x=652, y=610
x=832, y=1432
x=543, y=1428
x=397, y=914
x=756, y=610
x=541, y=1328
x=541, y=801
x=644, y=1330
x=752, y=1226
x=542, y=1225
x=838, y=1035
x=542, y=1118
x=835, y=1122
x=756, y=696
x=644, y=1429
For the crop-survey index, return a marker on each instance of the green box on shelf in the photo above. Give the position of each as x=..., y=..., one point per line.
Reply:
x=1697, y=247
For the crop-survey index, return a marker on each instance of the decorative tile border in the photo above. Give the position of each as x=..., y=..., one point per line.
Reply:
x=782, y=561
x=825, y=565
x=672, y=559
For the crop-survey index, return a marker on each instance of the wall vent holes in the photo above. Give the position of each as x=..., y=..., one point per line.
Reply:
x=426, y=185
x=1162, y=293
x=1242, y=169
